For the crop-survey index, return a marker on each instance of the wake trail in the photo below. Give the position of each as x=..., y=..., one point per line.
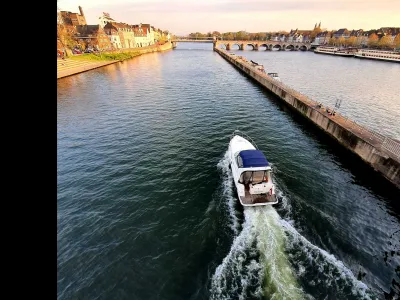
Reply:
x=269, y=258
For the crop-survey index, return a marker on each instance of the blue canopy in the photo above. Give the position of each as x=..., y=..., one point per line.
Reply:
x=253, y=158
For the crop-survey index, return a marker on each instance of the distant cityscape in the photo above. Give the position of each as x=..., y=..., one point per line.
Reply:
x=384, y=37
x=73, y=32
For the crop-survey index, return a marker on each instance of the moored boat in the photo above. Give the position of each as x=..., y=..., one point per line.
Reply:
x=349, y=52
x=251, y=172
x=274, y=76
x=378, y=55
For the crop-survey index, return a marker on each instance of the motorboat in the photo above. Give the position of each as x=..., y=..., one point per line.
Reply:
x=251, y=171
x=274, y=76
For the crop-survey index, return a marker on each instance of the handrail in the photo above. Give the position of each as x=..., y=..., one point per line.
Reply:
x=243, y=135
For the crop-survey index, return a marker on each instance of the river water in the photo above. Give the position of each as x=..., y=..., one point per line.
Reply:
x=146, y=206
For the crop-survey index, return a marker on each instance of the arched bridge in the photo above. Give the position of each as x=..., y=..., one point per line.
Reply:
x=268, y=45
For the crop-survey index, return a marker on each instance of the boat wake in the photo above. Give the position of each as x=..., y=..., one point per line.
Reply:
x=270, y=259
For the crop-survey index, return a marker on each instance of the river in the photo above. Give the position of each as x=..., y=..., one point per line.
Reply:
x=146, y=207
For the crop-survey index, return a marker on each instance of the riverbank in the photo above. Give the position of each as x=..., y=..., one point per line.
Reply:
x=378, y=151
x=79, y=64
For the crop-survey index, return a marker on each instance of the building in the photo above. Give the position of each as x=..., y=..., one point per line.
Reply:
x=121, y=35
x=73, y=19
x=142, y=36
x=92, y=36
x=150, y=31
x=105, y=18
x=295, y=36
x=341, y=33
x=157, y=35
x=128, y=35
x=391, y=31
x=322, y=38
x=113, y=34
x=299, y=36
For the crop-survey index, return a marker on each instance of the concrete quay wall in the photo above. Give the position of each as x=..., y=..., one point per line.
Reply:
x=149, y=49
x=381, y=153
x=72, y=67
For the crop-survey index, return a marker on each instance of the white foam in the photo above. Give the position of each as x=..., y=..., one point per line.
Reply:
x=227, y=193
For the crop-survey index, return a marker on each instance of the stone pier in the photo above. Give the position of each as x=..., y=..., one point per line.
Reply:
x=380, y=152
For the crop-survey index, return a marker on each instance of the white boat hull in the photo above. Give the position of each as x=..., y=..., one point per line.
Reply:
x=250, y=194
x=392, y=58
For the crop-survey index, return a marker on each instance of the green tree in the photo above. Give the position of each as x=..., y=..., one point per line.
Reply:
x=373, y=40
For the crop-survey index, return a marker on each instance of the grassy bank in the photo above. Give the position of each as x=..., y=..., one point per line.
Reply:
x=106, y=56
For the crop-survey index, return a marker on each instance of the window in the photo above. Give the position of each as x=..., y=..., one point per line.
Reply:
x=239, y=161
x=255, y=177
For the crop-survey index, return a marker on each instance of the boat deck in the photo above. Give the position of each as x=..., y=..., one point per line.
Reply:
x=250, y=199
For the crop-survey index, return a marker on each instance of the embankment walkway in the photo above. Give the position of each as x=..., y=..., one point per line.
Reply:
x=380, y=152
x=68, y=67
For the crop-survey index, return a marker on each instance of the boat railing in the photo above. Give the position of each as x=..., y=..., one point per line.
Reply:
x=243, y=135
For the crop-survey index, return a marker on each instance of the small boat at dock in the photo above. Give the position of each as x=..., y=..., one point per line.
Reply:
x=261, y=69
x=251, y=171
x=274, y=76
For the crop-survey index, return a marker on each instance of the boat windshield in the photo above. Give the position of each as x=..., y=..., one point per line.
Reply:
x=255, y=177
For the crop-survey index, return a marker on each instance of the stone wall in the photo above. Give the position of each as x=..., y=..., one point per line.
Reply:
x=148, y=49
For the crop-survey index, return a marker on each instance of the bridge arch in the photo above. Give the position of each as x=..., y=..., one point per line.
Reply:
x=253, y=47
x=289, y=47
x=303, y=48
x=232, y=46
x=263, y=46
x=277, y=47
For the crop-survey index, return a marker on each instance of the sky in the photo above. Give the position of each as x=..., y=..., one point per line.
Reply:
x=182, y=17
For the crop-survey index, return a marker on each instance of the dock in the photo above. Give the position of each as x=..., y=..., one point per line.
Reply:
x=380, y=152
